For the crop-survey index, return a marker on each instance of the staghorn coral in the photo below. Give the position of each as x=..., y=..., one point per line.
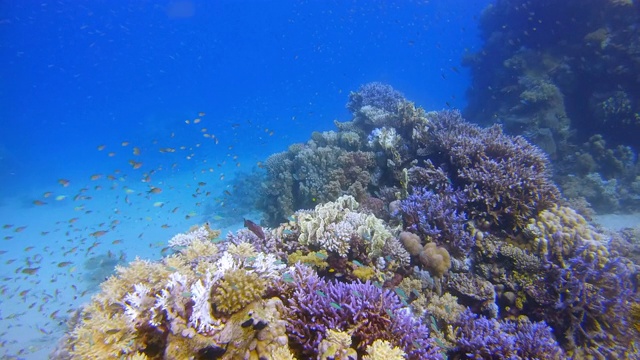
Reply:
x=315, y=306
x=482, y=338
x=439, y=217
x=505, y=179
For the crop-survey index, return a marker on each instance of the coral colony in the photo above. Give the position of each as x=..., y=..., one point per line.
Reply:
x=428, y=238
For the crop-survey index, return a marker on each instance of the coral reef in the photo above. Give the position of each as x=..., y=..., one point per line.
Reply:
x=451, y=242
x=564, y=76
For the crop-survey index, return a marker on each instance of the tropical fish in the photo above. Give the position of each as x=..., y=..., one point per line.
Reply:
x=101, y=147
x=64, y=263
x=154, y=190
x=30, y=271
x=254, y=228
x=39, y=203
x=64, y=182
x=99, y=233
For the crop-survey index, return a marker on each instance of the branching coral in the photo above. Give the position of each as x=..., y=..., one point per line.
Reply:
x=439, y=217
x=505, y=179
x=366, y=311
x=482, y=338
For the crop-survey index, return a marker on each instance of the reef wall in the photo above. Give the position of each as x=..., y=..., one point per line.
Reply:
x=564, y=74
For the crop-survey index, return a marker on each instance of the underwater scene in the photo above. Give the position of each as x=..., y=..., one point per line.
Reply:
x=334, y=180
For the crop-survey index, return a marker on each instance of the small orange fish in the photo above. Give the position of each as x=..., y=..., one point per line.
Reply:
x=95, y=177
x=64, y=182
x=135, y=165
x=39, y=203
x=98, y=233
x=195, y=121
x=30, y=271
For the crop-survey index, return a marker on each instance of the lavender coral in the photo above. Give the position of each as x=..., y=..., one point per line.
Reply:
x=483, y=338
x=375, y=94
x=367, y=311
x=506, y=179
x=439, y=217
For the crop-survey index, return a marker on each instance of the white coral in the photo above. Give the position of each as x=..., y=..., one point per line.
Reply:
x=183, y=240
x=201, y=318
x=137, y=302
x=225, y=263
x=268, y=266
x=387, y=138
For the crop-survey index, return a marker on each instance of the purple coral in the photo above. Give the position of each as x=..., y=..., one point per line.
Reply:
x=371, y=312
x=376, y=94
x=481, y=338
x=439, y=216
x=506, y=179
x=593, y=307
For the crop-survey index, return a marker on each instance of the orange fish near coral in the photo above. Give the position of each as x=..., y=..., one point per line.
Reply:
x=99, y=233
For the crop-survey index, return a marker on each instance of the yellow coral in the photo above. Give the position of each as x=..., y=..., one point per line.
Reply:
x=257, y=332
x=556, y=232
x=236, y=290
x=364, y=272
x=102, y=334
x=635, y=316
x=242, y=251
x=198, y=249
x=382, y=350
x=315, y=259
x=336, y=345
x=139, y=271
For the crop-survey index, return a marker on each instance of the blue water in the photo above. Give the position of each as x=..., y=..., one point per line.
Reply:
x=82, y=79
